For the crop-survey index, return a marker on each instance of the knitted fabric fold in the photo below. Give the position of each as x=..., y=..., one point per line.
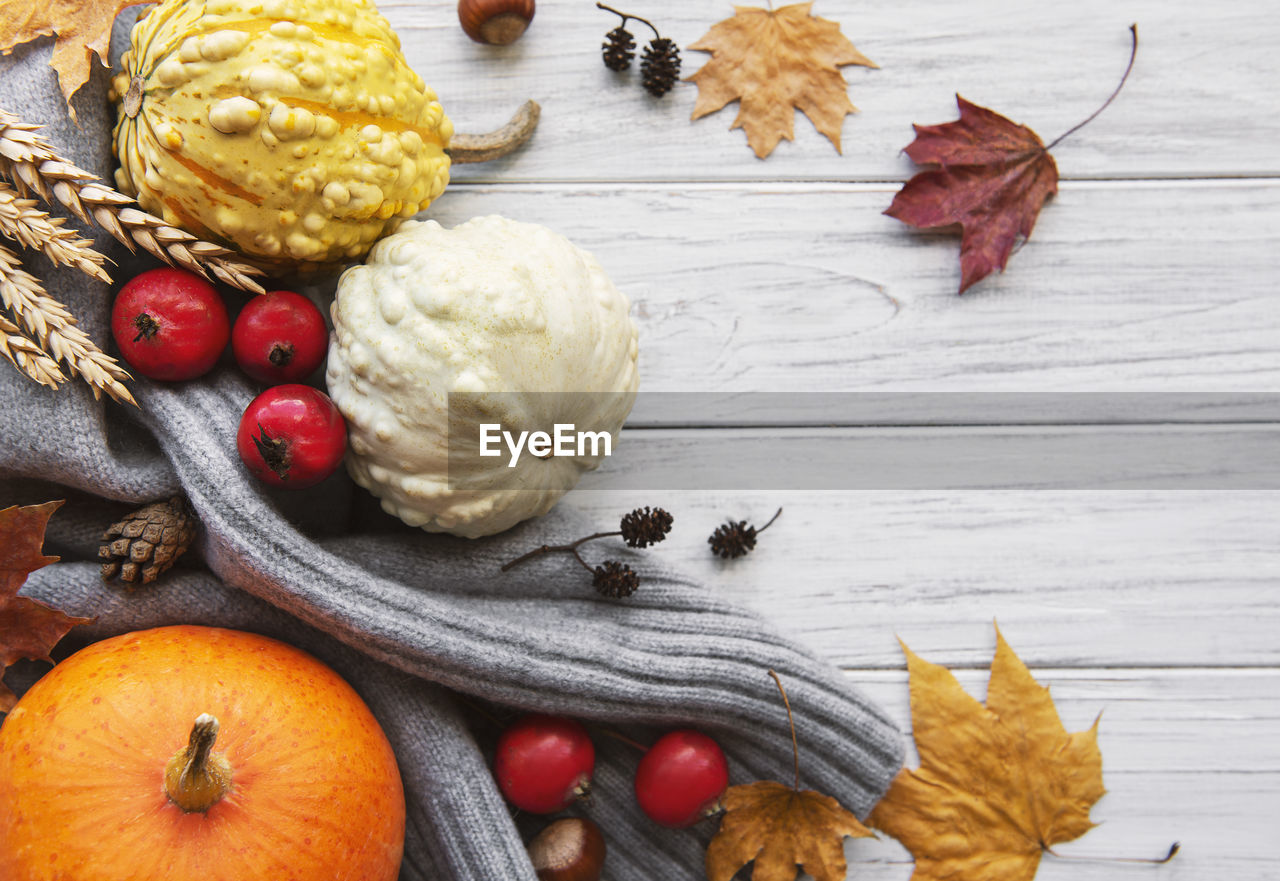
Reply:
x=425, y=627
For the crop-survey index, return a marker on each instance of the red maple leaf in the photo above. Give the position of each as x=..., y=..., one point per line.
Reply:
x=991, y=176
x=28, y=629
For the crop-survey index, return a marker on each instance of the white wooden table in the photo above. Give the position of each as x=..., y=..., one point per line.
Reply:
x=1154, y=270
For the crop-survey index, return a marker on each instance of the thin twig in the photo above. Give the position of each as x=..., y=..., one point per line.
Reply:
x=625, y=17
x=621, y=738
x=547, y=549
x=770, y=523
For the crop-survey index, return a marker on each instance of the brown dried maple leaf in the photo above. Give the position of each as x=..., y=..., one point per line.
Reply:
x=773, y=61
x=28, y=629
x=781, y=827
x=992, y=178
x=83, y=29
x=997, y=785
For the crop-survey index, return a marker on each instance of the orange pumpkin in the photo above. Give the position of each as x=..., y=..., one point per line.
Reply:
x=196, y=754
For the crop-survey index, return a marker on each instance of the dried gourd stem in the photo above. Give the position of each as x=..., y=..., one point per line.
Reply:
x=626, y=18
x=795, y=747
x=55, y=330
x=31, y=227
x=1133, y=54
x=31, y=163
x=465, y=148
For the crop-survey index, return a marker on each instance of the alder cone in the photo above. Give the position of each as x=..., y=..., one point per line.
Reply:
x=314, y=793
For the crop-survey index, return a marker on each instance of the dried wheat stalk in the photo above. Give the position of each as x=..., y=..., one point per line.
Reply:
x=54, y=330
x=27, y=356
x=33, y=166
x=33, y=228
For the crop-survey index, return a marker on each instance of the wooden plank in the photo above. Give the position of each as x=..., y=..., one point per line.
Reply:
x=1124, y=287
x=1076, y=579
x=1199, y=103
x=1082, y=457
x=1188, y=756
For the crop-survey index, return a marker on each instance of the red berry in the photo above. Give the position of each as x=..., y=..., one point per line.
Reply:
x=279, y=337
x=292, y=436
x=170, y=324
x=544, y=762
x=681, y=778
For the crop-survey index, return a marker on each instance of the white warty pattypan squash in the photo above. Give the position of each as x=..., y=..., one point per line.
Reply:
x=504, y=312
x=291, y=130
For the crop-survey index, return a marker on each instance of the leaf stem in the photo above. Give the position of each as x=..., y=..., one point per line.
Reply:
x=1133, y=53
x=795, y=747
x=1150, y=861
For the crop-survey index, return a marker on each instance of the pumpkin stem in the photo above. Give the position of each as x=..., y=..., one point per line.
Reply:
x=496, y=144
x=196, y=779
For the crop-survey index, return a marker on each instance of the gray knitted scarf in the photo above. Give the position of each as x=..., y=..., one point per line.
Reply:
x=425, y=627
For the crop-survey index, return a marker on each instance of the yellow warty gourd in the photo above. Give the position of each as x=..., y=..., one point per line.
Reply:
x=291, y=130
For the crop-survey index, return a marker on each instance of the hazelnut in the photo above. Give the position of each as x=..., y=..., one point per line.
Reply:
x=497, y=22
x=571, y=849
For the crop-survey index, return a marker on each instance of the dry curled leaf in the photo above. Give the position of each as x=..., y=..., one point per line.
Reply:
x=773, y=61
x=83, y=29
x=781, y=828
x=28, y=629
x=998, y=785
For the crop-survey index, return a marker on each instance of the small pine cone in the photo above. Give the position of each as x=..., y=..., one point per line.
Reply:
x=732, y=540
x=643, y=527
x=147, y=542
x=613, y=579
x=660, y=66
x=620, y=49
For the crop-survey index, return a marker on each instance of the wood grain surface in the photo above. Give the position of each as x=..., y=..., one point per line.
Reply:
x=1151, y=275
x=1153, y=272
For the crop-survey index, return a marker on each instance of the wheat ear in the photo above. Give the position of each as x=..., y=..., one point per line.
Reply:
x=27, y=356
x=54, y=330
x=28, y=160
x=32, y=227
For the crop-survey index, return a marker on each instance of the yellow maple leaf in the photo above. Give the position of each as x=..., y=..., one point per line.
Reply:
x=997, y=785
x=781, y=827
x=83, y=29
x=773, y=61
